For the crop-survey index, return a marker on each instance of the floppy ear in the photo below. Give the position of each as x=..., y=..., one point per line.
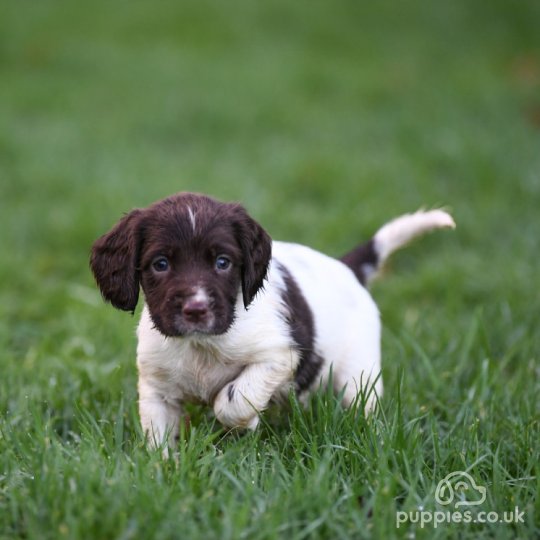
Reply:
x=256, y=246
x=114, y=262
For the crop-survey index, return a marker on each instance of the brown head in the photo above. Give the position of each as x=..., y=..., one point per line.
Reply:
x=191, y=254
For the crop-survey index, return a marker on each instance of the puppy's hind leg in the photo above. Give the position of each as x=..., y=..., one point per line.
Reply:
x=357, y=374
x=361, y=392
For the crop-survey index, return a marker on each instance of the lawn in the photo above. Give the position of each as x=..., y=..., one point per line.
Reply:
x=325, y=119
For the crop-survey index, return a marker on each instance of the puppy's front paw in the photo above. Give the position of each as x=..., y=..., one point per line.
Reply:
x=253, y=423
x=233, y=409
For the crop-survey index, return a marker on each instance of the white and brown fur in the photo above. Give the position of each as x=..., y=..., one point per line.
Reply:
x=235, y=320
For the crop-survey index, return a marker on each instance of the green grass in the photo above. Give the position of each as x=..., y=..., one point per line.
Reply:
x=325, y=119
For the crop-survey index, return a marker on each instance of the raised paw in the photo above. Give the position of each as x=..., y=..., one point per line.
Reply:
x=233, y=409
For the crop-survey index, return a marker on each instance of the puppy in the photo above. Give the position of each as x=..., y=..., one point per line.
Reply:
x=235, y=320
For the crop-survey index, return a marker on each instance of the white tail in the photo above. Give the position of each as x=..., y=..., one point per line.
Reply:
x=400, y=231
x=367, y=259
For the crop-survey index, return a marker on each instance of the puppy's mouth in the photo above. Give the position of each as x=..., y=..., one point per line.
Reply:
x=188, y=326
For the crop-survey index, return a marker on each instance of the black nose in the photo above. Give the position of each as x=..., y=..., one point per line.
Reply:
x=195, y=310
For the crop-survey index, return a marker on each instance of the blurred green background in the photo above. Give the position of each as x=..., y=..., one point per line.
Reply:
x=325, y=119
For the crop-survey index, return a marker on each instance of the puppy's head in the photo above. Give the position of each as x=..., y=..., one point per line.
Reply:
x=191, y=254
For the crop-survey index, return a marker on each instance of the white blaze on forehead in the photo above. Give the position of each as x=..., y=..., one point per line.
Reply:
x=191, y=217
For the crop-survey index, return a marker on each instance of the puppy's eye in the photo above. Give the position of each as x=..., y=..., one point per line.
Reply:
x=160, y=264
x=223, y=263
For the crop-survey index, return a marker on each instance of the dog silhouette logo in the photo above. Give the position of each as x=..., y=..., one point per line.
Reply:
x=461, y=485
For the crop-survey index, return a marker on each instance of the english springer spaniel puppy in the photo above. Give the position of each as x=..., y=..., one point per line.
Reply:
x=235, y=320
